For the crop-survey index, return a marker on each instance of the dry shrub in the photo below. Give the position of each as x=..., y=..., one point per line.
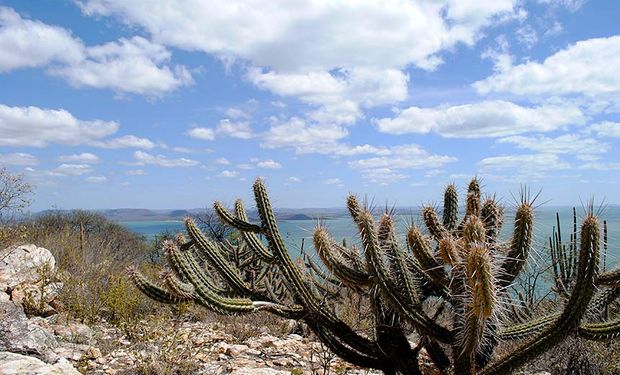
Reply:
x=91, y=256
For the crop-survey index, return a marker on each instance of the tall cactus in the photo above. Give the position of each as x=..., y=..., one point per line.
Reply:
x=449, y=286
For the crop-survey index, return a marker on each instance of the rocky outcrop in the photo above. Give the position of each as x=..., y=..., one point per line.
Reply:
x=20, y=335
x=17, y=364
x=23, y=264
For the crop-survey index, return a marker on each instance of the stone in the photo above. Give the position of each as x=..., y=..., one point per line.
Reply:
x=17, y=364
x=259, y=371
x=76, y=333
x=22, y=264
x=19, y=335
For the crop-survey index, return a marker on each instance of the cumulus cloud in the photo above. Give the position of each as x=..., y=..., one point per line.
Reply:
x=228, y=174
x=222, y=161
x=71, y=170
x=268, y=164
x=84, y=158
x=127, y=141
x=18, y=158
x=206, y=134
x=606, y=129
x=26, y=43
x=134, y=65
x=96, y=179
x=38, y=127
x=411, y=32
x=303, y=137
x=142, y=158
x=586, y=68
x=340, y=76
x=224, y=128
x=493, y=118
x=523, y=167
x=564, y=144
x=136, y=172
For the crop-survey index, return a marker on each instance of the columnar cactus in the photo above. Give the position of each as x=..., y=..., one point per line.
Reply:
x=449, y=286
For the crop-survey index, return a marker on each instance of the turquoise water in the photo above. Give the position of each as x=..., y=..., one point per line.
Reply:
x=295, y=230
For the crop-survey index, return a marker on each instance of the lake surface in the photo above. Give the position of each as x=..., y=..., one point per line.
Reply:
x=342, y=227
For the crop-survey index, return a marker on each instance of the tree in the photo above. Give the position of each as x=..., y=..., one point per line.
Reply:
x=15, y=195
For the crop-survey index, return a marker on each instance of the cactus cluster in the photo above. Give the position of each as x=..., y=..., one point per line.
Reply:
x=449, y=284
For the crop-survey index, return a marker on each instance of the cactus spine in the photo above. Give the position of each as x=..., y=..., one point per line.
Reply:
x=449, y=286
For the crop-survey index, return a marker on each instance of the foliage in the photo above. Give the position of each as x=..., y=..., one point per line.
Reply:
x=450, y=287
x=15, y=195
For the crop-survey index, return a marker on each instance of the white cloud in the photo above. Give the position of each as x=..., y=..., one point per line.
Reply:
x=606, y=129
x=237, y=113
x=523, y=167
x=142, y=158
x=133, y=65
x=96, y=179
x=339, y=95
x=527, y=36
x=312, y=36
x=338, y=56
x=296, y=133
x=564, y=144
x=71, y=170
x=333, y=181
x=601, y=166
x=571, y=5
x=36, y=127
x=228, y=174
x=84, y=158
x=410, y=156
x=222, y=161
x=269, y=164
x=293, y=179
x=130, y=141
x=492, y=118
x=206, y=134
x=27, y=43
x=229, y=128
x=586, y=68
x=245, y=166
x=18, y=158
x=136, y=172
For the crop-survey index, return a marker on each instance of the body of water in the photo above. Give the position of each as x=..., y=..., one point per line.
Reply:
x=296, y=230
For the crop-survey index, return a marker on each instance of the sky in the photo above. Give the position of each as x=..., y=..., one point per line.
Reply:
x=174, y=104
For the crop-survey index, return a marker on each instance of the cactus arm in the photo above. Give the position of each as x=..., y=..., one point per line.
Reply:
x=298, y=286
x=435, y=227
x=609, y=279
x=528, y=328
x=214, y=257
x=250, y=238
x=422, y=251
x=574, y=310
x=397, y=259
x=492, y=215
x=235, y=222
x=151, y=290
x=375, y=262
x=450, y=207
x=325, y=248
x=519, y=246
x=600, y=331
x=472, y=207
x=480, y=301
x=178, y=287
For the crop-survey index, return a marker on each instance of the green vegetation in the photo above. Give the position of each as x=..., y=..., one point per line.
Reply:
x=451, y=287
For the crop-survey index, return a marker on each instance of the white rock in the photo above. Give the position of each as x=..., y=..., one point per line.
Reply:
x=18, y=334
x=17, y=364
x=259, y=371
x=21, y=264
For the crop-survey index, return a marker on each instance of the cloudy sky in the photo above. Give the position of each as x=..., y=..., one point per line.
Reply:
x=162, y=104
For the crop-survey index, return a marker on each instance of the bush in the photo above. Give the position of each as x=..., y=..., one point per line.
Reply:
x=91, y=254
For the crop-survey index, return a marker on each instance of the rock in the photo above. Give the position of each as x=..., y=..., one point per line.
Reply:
x=76, y=333
x=17, y=364
x=259, y=371
x=22, y=264
x=19, y=335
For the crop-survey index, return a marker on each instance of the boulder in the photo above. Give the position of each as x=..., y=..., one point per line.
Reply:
x=19, y=335
x=22, y=264
x=17, y=364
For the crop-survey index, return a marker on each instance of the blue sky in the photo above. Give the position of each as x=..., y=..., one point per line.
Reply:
x=161, y=104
